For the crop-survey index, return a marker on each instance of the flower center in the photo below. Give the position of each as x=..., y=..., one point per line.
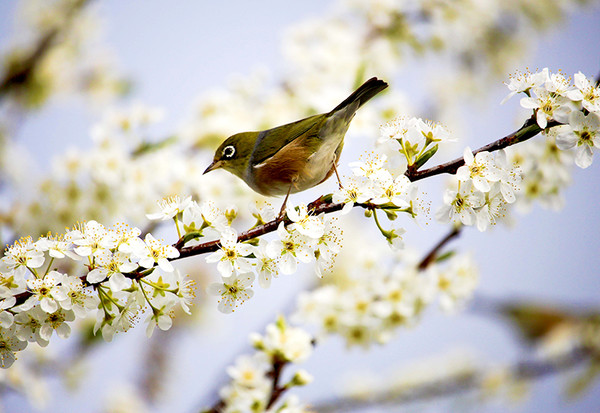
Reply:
x=395, y=295
x=459, y=202
x=585, y=137
x=396, y=318
x=55, y=319
x=476, y=169
x=443, y=283
x=547, y=108
x=289, y=246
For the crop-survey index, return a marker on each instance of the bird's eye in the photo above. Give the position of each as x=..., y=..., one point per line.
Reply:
x=228, y=151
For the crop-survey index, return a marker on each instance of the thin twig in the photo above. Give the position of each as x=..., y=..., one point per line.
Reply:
x=529, y=129
x=276, y=389
x=321, y=205
x=22, y=71
x=456, y=384
x=433, y=254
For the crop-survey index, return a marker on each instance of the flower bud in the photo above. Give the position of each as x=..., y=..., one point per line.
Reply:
x=301, y=378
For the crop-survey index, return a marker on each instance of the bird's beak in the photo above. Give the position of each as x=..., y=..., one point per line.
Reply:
x=214, y=165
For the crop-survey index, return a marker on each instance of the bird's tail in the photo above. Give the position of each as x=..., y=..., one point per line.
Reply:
x=361, y=95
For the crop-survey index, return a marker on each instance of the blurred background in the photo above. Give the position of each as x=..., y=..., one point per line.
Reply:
x=204, y=70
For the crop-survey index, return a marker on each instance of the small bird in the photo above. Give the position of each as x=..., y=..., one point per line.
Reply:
x=293, y=157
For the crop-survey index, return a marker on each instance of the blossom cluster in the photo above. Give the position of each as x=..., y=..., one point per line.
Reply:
x=545, y=169
x=308, y=238
x=117, y=275
x=374, y=37
x=552, y=97
x=251, y=387
x=124, y=182
x=373, y=183
x=481, y=189
x=373, y=302
x=412, y=141
x=484, y=186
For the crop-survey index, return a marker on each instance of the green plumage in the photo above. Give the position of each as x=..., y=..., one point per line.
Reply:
x=270, y=141
x=295, y=156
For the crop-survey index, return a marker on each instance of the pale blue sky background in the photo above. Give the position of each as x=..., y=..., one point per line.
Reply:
x=176, y=50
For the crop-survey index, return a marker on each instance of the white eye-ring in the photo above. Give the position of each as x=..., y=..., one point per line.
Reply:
x=228, y=151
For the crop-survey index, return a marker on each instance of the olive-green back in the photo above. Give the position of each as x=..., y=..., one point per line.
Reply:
x=272, y=140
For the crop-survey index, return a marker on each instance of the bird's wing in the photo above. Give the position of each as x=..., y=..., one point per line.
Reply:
x=271, y=141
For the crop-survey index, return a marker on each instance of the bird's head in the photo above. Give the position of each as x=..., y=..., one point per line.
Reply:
x=234, y=153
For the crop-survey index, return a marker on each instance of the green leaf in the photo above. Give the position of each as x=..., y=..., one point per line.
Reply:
x=445, y=256
x=426, y=156
x=147, y=147
x=326, y=199
x=191, y=235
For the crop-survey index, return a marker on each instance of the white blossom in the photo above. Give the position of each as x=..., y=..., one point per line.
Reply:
x=233, y=291
x=231, y=257
x=56, y=321
x=584, y=134
x=548, y=106
x=266, y=266
x=524, y=82
x=290, y=344
x=457, y=282
x=160, y=313
x=304, y=222
x=22, y=253
x=460, y=205
x=290, y=248
x=47, y=291
x=356, y=189
x=153, y=252
x=170, y=207
x=9, y=345
x=480, y=168
x=585, y=92
x=392, y=190
x=88, y=238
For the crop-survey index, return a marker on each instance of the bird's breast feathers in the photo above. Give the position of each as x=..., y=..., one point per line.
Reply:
x=297, y=164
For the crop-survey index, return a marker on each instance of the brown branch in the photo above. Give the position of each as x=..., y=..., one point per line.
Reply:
x=322, y=205
x=456, y=384
x=21, y=72
x=433, y=254
x=276, y=389
x=529, y=129
x=317, y=207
